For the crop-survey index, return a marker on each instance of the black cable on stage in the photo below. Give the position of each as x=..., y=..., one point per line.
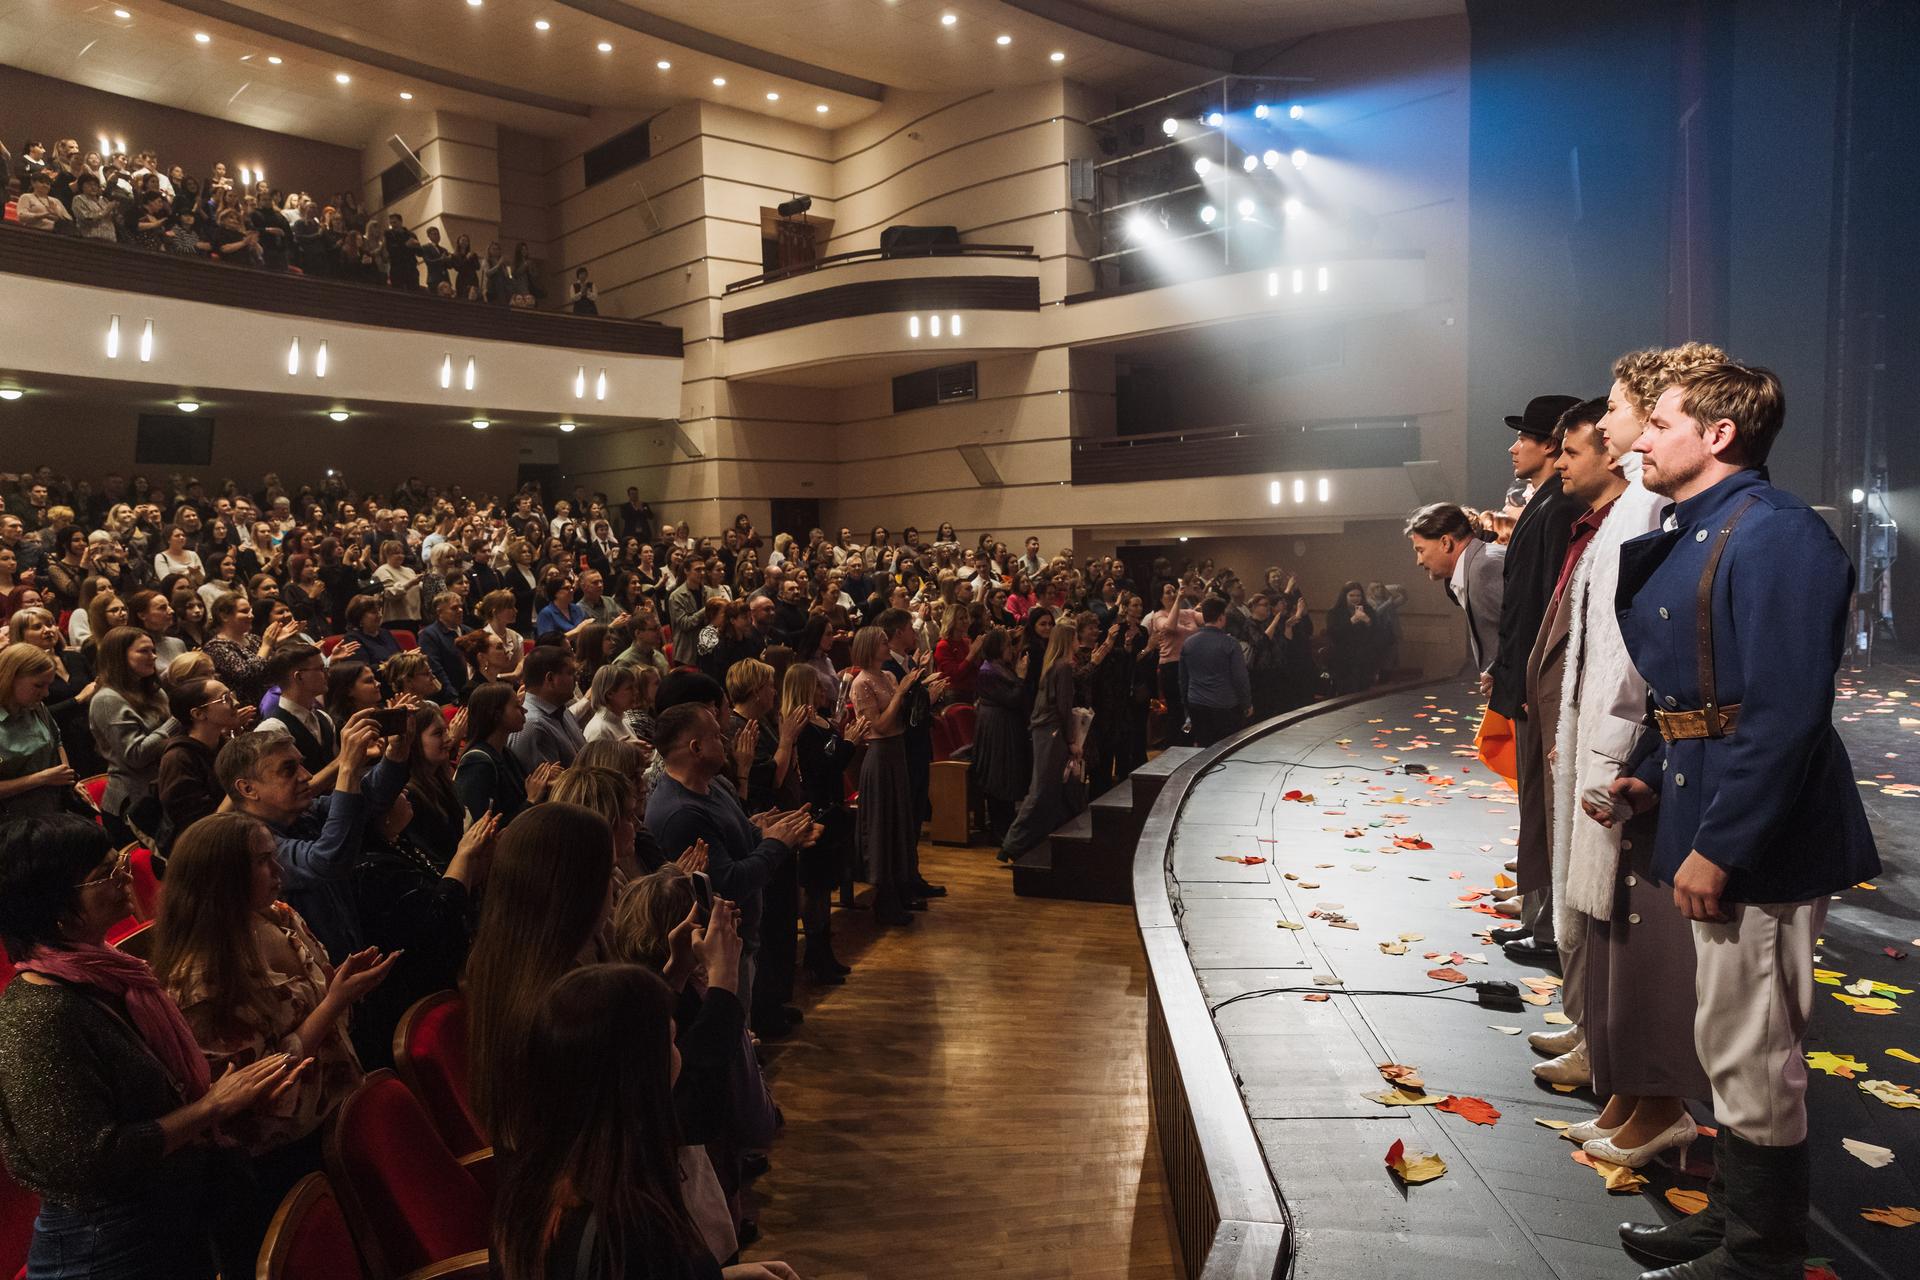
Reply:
x=1437, y=993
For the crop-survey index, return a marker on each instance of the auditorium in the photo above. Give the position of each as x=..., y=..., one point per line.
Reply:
x=1035, y=639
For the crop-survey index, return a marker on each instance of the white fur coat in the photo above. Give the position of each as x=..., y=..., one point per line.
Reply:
x=1602, y=703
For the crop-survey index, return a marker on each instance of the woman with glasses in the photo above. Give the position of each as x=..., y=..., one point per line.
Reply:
x=189, y=790
x=107, y=1105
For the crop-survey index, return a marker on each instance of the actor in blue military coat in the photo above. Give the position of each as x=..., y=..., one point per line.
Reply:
x=1759, y=817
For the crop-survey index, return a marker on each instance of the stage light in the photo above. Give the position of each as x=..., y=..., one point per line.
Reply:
x=1246, y=208
x=821, y=108
x=773, y=97
x=1858, y=495
x=580, y=384
x=146, y=341
x=272, y=58
x=293, y=358
x=1208, y=213
x=1250, y=162
x=1271, y=159
x=187, y=406
x=664, y=65
x=795, y=207
x=341, y=77
x=470, y=378
x=600, y=386
x=1003, y=40
x=1299, y=280
x=1140, y=227
x=320, y=360
x=113, y=338
x=1183, y=537
x=201, y=37
x=338, y=415
x=1296, y=111
x=1215, y=119
x=719, y=82
x=10, y=393
x=1299, y=158
x=1290, y=206
x=1273, y=492
x=948, y=19
x=1170, y=126
x=1299, y=491
x=121, y=13
x=1261, y=111
x=1202, y=166
x=566, y=428
x=405, y=96
x=481, y=424
x=446, y=372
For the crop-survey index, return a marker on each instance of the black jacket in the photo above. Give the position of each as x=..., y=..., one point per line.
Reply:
x=1534, y=553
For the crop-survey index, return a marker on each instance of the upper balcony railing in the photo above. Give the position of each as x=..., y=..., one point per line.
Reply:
x=99, y=264
x=1247, y=448
x=875, y=255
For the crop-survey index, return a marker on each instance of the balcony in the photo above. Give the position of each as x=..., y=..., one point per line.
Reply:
x=1248, y=449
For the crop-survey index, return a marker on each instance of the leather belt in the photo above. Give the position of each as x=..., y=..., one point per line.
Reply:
x=1677, y=725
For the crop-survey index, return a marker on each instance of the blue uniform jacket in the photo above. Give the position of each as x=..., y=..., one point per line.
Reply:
x=1775, y=802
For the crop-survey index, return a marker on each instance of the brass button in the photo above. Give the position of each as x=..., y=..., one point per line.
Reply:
x=1700, y=536
x=1633, y=918
x=1632, y=881
x=1663, y=611
x=1679, y=779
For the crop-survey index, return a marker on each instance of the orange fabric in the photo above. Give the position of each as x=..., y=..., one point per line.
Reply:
x=1494, y=741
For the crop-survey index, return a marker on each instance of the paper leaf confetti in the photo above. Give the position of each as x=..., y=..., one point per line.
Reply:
x=1892, y=1217
x=1478, y=1110
x=1403, y=1098
x=1289, y=924
x=1247, y=861
x=1393, y=948
x=1894, y=1095
x=1555, y=1125
x=1299, y=797
x=1868, y=1154
x=1505, y=1031
x=1557, y=1019
x=1835, y=1064
x=1878, y=1005
x=1618, y=1177
x=1399, y=1073
x=1447, y=974
x=1413, y=1169
x=1902, y=1054
x=1687, y=1202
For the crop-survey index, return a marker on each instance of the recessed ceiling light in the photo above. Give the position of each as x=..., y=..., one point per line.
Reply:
x=567, y=426
x=274, y=58
x=1003, y=39
x=1056, y=56
x=338, y=415
x=822, y=108
x=474, y=4
x=541, y=24
x=664, y=65
x=773, y=97
x=121, y=13
x=481, y=424
x=246, y=57
x=405, y=96
x=719, y=82
x=341, y=77
x=10, y=393
x=201, y=37
x=605, y=46
x=948, y=19
x=187, y=406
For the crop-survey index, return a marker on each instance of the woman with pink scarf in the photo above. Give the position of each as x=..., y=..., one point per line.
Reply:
x=107, y=1111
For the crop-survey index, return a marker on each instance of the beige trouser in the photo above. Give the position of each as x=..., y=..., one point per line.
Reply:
x=1753, y=977
x=1573, y=971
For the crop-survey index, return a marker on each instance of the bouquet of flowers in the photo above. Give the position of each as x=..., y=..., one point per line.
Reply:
x=1078, y=726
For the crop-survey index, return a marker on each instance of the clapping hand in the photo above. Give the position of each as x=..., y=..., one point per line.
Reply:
x=745, y=741
x=242, y=1088
x=360, y=973
x=541, y=780
x=694, y=859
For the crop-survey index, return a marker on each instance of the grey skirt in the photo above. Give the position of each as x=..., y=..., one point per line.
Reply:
x=888, y=830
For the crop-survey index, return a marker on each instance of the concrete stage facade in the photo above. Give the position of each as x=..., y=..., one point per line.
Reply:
x=1289, y=880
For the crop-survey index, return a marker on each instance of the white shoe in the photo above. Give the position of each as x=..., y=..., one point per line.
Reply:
x=1678, y=1134
x=1501, y=895
x=1513, y=864
x=1555, y=1043
x=1509, y=908
x=1570, y=1067
x=1587, y=1131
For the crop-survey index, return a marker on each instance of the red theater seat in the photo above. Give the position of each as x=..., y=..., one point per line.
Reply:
x=96, y=788
x=410, y=1202
x=18, y=1208
x=430, y=1053
x=146, y=885
x=308, y=1238
x=406, y=639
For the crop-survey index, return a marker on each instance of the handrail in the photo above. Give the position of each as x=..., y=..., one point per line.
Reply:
x=1230, y=1217
x=1240, y=430
x=907, y=251
x=100, y=264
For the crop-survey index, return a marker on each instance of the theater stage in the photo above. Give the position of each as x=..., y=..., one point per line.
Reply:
x=1363, y=848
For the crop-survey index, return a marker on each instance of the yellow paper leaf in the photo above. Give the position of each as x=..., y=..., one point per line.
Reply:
x=1393, y=948
x=1835, y=1064
x=1552, y=1124
x=1617, y=1176
x=1828, y=977
x=1420, y=1166
x=1892, y=1217
x=1413, y=937
x=1289, y=924
x=1687, y=1202
x=1902, y=1054
x=1404, y=1098
x=1535, y=999
x=1557, y=1018
x=1565, y=1088
x=1879, y=1004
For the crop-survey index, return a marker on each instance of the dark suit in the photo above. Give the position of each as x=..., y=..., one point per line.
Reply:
x=449, y=665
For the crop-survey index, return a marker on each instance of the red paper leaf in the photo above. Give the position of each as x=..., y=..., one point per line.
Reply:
x=1893, y=953
x=1477, y=1110
x=1448, y=974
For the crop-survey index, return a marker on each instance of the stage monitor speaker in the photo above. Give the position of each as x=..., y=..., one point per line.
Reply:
x=908, y=240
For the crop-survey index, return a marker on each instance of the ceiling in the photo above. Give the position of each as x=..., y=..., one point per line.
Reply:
x=784, y=58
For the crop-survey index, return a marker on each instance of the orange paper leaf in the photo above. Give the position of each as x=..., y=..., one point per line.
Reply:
x=1477, y=1110
x=1448, y=974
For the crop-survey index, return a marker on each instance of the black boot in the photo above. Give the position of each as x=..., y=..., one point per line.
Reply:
x=820, y=964
x=1766, y=1217
x=1692, y=1237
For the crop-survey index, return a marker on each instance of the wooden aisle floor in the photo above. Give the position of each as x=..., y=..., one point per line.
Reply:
x=973, y=1101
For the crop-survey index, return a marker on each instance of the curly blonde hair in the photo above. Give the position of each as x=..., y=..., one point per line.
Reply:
x=1647, y=373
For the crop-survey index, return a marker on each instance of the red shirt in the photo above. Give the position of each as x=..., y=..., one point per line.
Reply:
x=1583, y=530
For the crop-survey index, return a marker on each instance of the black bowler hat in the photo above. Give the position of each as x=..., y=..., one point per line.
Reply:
x=1542, y=412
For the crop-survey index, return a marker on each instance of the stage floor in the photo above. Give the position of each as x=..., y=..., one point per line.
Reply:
x=1345, y=830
